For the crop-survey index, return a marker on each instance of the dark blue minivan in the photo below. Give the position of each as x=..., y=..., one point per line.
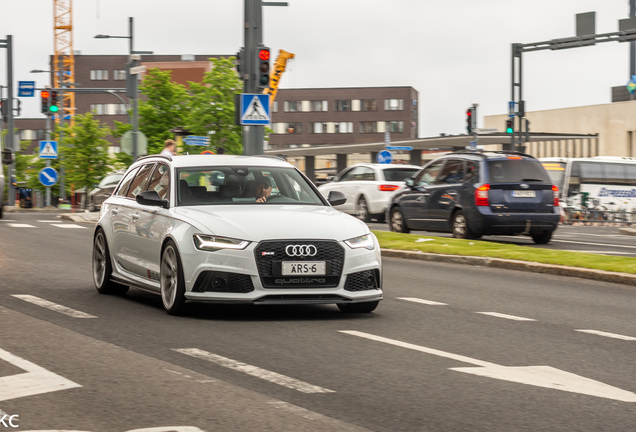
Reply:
x=476, y=193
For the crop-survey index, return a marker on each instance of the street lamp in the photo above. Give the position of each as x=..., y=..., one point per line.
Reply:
x=131, y=81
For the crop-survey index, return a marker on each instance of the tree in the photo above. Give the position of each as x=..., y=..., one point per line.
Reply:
x=163, y=107
x=85, y=152
x=212, y=107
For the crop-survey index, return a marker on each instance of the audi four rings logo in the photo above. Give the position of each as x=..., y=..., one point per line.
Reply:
x=301, y=250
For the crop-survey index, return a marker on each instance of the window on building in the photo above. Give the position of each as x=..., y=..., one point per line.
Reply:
x=368, y=127
x=318, y=127
x=294, y=128
x=109, y=109
x=393, y=104
x=292, y=106
x=343, y=105
x=395, y=126
x=28, y=134
x=344, y=127
x=275, y=106
x=119, y=75
x=319, y=105
x=369, y=105
x=99, y=74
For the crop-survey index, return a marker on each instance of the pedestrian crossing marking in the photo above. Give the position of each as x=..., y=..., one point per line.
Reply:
x=255, y=111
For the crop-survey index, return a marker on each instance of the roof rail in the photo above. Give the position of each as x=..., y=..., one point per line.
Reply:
x=483, y=152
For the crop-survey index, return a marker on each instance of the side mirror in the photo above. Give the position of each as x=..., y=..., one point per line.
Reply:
x=151, y=198
x=336, y=198
x=410, y=182
x=331, y=178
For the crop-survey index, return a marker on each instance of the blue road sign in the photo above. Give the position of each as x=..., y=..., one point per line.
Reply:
x=384, y=157
x=48, y=149
x=26, y=88
x=48, y=176
x=399, y=148
x=255, y=109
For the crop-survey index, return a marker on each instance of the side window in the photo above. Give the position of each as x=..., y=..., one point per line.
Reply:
x=125, y=184
x=472, y=172
x=366, y=173
x=452, y=173
x=160, y=181
x=428, y=175
x=139, y=181
x=348, y=176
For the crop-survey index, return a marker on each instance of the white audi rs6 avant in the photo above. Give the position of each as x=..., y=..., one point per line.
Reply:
x=232, y=229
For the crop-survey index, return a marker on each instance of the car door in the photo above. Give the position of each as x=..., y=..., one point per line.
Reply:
x=128, y=213
x=444, y=195
x=414, y=201
x=345, y=183
x=150, y=224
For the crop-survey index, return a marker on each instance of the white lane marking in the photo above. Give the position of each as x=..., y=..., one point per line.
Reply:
x=426, y=302
x=7, y=220
x=48, y=221
x=606, y=334
x=540, y=376
x=510, y=317
x=254, y=371
x=53, y=306
x=20, y=225
x=35, y=381
x=68, y=226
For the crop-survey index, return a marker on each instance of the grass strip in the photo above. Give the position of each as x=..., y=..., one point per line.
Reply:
x=452, y=246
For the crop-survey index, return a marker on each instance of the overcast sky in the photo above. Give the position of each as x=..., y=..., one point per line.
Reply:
x=453, y=52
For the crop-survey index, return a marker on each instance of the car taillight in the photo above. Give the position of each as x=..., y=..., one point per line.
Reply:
x=555, y=192
x=481, y=195
x=388, y=188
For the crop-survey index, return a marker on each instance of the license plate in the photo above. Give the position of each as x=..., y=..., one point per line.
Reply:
x=316, y=268
x=523, y=193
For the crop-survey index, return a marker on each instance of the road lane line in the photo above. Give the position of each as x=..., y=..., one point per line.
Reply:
x=426, y=302
x=606, y=334
x=35, y=380
x=53, y=306
x=67, y=226
x=254, y=371
x=510, y=317
x=20, y=225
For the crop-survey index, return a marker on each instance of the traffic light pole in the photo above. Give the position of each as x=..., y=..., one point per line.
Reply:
x=9, y=144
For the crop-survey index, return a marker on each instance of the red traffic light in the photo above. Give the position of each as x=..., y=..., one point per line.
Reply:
x=263, y=54
x=44, y=94
x=469, y=112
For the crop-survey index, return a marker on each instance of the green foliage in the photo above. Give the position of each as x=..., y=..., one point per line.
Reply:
x=85, y=152
x=164, y=107
x=212, y=107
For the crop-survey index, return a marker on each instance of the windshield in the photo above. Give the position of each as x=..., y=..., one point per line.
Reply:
x=222, y=185
x=517, y=170
x=556, y=171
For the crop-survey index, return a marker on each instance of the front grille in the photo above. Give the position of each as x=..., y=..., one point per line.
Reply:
x=212, y=281
x=271, y=253
x=362, y=281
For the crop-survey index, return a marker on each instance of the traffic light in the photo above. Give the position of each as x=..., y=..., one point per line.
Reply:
x=44, y=99
x=4, y=109
x=240, y=58
x=262, y=81
x=53, y=108
x=509, y=126
x=469, y=120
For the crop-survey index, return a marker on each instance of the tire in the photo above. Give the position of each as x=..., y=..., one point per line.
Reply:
x=365, y=307
x=459, y=227
x=362, y=210
x=102, y=267
x=396, y=221
x=172, y=280
x=542, y=238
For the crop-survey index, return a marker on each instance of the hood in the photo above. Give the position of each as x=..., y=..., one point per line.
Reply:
x=262, y=222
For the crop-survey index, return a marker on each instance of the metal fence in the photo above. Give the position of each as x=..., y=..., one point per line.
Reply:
x=598, y=217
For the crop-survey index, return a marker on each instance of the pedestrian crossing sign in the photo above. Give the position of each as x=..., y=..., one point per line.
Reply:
x=48, y=149
x=255, y=109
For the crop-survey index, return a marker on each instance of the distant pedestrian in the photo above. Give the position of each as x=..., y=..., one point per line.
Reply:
x=169, y=148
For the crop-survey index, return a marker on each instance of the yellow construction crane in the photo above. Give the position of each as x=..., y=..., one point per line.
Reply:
x=64, y=61
x=277, y=73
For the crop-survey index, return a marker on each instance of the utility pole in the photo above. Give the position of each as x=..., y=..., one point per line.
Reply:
x=9, y=144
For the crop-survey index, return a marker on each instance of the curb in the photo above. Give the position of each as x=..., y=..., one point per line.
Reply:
x=599, y=275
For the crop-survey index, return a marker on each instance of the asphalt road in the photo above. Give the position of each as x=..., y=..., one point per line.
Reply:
x=451, y=348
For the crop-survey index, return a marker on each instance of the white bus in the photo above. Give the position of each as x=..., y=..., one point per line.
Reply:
x=601, y=182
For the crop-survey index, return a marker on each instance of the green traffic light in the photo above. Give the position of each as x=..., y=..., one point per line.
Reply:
x=54, y=108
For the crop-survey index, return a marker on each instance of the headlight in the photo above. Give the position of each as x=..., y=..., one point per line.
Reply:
x=214, y=243
x=365, y=241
